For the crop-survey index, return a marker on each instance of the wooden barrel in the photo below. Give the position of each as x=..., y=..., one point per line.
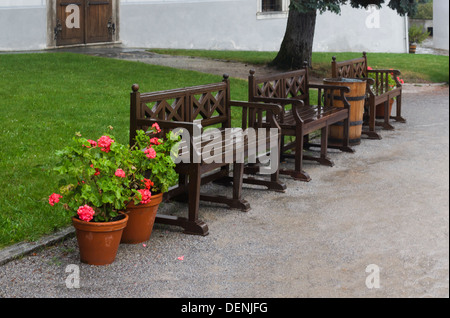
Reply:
x=356, y=98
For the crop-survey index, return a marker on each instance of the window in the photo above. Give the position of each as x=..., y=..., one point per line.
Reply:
x=271, y=5
x=269, y=9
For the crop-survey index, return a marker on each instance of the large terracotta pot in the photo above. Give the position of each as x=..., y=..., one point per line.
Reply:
x=98, y=242
x=141, y=219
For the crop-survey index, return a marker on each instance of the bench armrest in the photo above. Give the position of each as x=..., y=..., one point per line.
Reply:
x=279, y=101
x=395, y=72
x=395, y=75
x=271, y=110
x=169, y=124
x=345, y=89
x=297, y=104
x=274, y=108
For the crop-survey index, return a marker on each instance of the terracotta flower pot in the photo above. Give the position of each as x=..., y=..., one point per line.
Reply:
x=379, y=112
x=141, y=219
x=98, y=242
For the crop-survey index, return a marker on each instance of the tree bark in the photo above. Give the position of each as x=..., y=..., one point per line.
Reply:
x=297, y=44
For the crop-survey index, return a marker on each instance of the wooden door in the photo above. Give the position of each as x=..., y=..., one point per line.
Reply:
x=70, y=23
x=98, y=19
x=83, y=21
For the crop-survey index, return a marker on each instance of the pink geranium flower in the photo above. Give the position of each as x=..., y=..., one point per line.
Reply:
x=85, y=213
x=93, y=143
x=155, y=141
x=105, y=142
x=120, y=173
x=156, y=127
x=145, y=196
x=150, y=153
x=54, y=198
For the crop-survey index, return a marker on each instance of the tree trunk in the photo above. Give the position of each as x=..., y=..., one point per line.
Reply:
x=296, y=47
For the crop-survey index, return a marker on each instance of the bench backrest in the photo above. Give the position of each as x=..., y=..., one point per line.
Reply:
x=292, y=84
x=355, y=68
x=207, y=103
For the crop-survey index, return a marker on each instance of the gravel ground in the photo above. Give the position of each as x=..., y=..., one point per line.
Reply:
x=385, y=205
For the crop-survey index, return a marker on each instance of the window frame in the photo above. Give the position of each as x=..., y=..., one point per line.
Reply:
x=273, y=14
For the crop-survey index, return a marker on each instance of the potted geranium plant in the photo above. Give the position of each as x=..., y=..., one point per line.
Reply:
x=92, y=188
x=151, y=171
x=104, y=180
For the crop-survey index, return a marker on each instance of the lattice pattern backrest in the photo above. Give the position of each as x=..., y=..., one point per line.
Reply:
x=269, y=88
x=356, y=68
x=296, y=84
x=208, y=103
x=167, y=105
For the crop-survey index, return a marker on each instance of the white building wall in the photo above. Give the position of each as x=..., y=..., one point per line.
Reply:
x=441, y=24
x=358, y=30
x=233, y=25
x=23, y=25
x=212, y=24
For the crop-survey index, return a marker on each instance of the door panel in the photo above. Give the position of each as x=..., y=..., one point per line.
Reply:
x=98, y=13
x=70, y=22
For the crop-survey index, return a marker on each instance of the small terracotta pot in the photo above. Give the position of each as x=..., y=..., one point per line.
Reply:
x=141, y=219
x=379, y=112
x=98, y=242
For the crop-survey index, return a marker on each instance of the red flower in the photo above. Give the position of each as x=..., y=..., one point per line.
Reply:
x=105, y=142
x=148, y=183
x=85, y=213
x=54, y=198
x=150, y=153
x=97, y=172
x=155, y=141
x=120, y=173
x=145, y=196
x=93, y=143
x=156, y=127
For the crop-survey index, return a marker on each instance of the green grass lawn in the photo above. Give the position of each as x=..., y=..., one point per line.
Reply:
x=45, y=99
x=415, y=68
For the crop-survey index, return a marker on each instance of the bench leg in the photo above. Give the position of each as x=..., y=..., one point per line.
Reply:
x=298, y=173
x=324, y=160
x=399, y=117
x=234, y=202
x=193, y=225
x=238, y=175
x=386, y=125
x=371, y=133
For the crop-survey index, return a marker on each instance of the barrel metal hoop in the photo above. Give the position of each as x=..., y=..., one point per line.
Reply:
x=352, y=123
x=349, y=98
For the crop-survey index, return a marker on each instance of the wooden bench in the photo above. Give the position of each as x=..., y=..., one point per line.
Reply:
x=200, y=107
x=299, y=118
x=379, y=93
